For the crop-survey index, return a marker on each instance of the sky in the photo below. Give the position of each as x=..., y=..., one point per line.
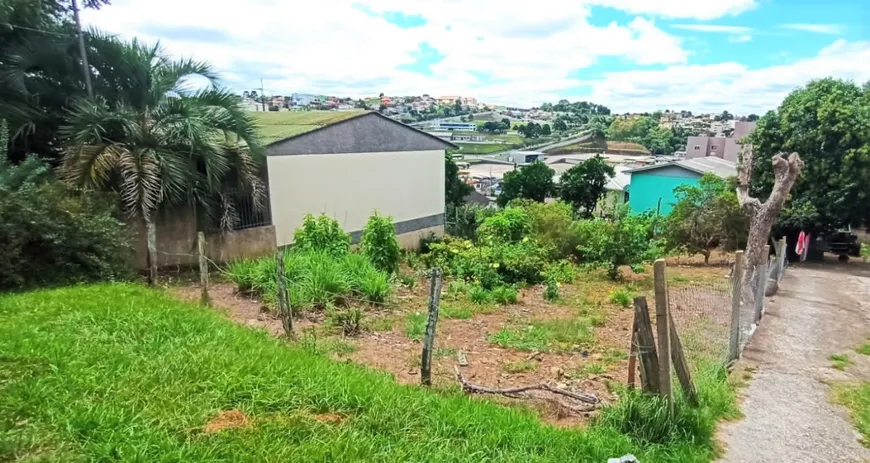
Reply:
x=744, y=56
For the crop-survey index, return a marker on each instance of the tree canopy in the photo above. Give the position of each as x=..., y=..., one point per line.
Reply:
x=828, y=123
x=582, y=186
x=534, y=181
x=706, y=216
x=455, y=190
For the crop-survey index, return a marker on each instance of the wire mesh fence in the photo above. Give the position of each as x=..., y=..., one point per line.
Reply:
x=701, y=311
x=717, y=316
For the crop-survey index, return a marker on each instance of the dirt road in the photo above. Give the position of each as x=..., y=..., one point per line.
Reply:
x=820, y=310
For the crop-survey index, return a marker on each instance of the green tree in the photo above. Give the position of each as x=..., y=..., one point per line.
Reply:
x=534, y=181
x=455, y=190
x=546, y=130
x=559, y=125
x=506, y=122
x=160, y=144
x=752, y=117
x=626, y=239
x=706, y=216
x=827, y=122
x=582, y=186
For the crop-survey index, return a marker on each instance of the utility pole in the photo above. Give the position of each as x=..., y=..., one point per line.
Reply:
x=86, y=69
x=262, y=95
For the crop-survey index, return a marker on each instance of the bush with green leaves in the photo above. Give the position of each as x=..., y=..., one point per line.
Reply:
x=552, y=226
x=322, y=234
x=51, y=234
x=626, y=239
x=316, y=279
x=490, y=266
x=379, y=243
x=463, y=221
x=509, y=225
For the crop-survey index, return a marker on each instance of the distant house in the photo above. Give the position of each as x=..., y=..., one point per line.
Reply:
x=304, y=99
x=463, y=126
x=725, y=148
x=525, y=157
x=652, y=187
x=448, y=100
x=349, y=164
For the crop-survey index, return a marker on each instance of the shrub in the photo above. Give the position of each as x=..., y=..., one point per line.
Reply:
x=625, y=240
x=479, y=295
x=463, y=221
x=51, y=234
x=621, y=297
x=315, y=279
x=323, y=234
x=552, y=226
x=507, y=226
x=505, y=295
x=551, y=291
x=349, y=320
x=379, y=243
x=490, y=266
x=562, y=271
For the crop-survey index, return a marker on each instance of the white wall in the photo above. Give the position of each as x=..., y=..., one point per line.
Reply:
x=405, y=185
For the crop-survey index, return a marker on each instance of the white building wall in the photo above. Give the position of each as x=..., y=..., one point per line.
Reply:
x=405, y=185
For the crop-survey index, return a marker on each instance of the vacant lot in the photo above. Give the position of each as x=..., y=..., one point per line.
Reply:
x=120, y=372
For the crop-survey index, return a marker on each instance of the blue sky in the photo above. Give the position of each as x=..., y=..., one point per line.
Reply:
x=741, y=55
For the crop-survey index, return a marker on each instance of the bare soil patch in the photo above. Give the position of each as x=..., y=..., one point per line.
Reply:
x=593, y=367
x=227, y=419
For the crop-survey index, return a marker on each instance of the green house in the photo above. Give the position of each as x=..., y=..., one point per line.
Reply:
x=652, y=187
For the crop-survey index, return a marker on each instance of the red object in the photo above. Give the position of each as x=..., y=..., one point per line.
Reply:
x=801, y=244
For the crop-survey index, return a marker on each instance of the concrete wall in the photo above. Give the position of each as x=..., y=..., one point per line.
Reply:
x=654, y=189
x=409, y=186
x=176, y=241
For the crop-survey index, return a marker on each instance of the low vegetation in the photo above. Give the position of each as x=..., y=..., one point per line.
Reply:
x=51, y=234
x=856, y=398
x=170, y=372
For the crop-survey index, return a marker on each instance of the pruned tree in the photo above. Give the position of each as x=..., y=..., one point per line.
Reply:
x=762, y=215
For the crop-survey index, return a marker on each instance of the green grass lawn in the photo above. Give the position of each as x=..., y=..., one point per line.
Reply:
x=120, y=372
x=856, y=397
x=481, y=148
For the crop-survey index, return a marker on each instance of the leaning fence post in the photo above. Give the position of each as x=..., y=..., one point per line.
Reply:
x=663, y=330
x=203, y=268
x=646, y=347
x=736, y=301
x=783, y=246
x=761, y=284
x=431, y=321
x=284, y=309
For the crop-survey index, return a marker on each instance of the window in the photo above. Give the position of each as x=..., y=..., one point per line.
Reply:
x=713, y=148
x=697, y=147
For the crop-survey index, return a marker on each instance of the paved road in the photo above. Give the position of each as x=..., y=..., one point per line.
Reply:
x=787, y=413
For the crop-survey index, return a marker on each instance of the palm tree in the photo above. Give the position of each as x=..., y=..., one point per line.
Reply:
x=149, y=135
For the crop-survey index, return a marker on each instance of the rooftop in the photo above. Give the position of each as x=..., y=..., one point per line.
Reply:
x=278, y=125
x=706, y=165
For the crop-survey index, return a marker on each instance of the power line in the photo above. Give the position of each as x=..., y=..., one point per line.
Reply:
x=14, y=26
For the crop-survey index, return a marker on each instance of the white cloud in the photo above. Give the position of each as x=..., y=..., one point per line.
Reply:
x=740, y=38
x=834, y=29
x=498, y=51
x=714, y=28
x=729, y=86
x=681, y=8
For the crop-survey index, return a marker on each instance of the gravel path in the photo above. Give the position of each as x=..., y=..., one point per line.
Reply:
x=787, y=413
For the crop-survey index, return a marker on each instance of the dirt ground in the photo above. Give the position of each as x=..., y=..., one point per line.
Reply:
x=593, y=367
x=820, y=310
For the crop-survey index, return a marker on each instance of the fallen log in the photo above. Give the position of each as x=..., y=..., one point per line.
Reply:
x=516, y=391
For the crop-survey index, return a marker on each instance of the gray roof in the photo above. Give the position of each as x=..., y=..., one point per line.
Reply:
x=362, y=132
x=706, y=165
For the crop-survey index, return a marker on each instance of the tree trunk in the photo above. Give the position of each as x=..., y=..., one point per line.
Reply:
x=151, y=251
x=706, y=254
x=763, y=215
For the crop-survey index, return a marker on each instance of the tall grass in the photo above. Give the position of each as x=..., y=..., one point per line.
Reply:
x=315, y=279
x=120, y=372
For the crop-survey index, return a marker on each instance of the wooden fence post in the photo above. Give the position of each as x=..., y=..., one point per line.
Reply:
x=681, y=366
x=284, y=309
x=632, y=354
x=646, y=347
x=431, y=321
x=736, y=301
x=663, y=331
x=783, y=247
x=761, y=284
x=203, y=268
